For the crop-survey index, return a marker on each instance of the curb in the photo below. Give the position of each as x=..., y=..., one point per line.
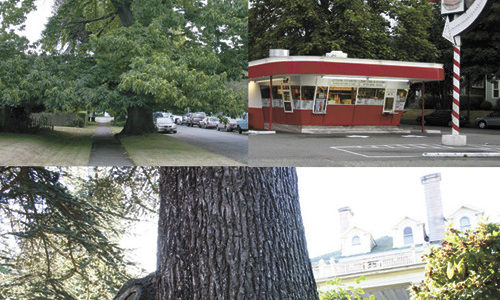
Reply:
x=461, y=154
x=261, y=132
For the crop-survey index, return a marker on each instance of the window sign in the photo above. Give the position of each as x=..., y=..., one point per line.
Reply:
x=389, y=101
x=287, y=100
x=320, y=100
x=341, y=95
x=401, y=99
x=370, y=96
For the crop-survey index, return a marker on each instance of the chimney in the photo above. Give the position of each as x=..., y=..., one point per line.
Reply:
x=278, y=52
x=345, y=216
x=435, y=217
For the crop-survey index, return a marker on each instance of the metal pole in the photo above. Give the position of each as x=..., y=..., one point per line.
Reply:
x=270, y=102
x=456, y=90
x=423, y=106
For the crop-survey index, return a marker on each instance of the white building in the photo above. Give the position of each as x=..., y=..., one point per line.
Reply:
x=393, y=262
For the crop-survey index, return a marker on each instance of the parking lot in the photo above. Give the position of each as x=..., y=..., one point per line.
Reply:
x=394, y=149
x=229, y=144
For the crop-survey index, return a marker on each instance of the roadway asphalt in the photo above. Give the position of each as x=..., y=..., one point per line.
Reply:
x=370, y=150
x=229, y=144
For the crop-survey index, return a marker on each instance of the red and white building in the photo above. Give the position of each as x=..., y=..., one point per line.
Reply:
x=324, y=92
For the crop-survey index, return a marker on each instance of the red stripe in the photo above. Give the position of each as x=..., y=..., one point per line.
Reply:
x=455, y=114
x=341, y=68
x=456, y=127
x=456, y=76
x=456, y=89
x=457, y=50
x=456, y=101
x=456, y=63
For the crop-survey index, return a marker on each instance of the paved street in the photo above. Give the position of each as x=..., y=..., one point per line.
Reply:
x=229, y=144
x=388, y=150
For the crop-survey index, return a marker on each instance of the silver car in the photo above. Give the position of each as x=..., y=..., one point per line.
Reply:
x=491, y=120
x=166, y=125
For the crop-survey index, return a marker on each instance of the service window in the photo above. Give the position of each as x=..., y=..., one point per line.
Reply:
x=264, y=91
x=341, y=95
x=320, y=100
x=287, y=100
x=295, y=92
x=307, y=92
x=389, y=101
x=370, y=96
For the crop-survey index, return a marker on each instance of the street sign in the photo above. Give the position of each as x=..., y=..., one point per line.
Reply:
x=459, y=24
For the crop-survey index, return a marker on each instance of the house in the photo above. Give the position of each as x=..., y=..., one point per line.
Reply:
x=391, y=263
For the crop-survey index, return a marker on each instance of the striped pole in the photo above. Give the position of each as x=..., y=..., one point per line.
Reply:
x=456, y=91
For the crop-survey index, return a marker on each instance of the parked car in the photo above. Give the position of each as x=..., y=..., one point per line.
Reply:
x=242, y=124
x=177, y=119
x=196, y=118
x=226, y=123
x=441, y=118
x=209, y=122
x=186, y=119
x=491, y=120
x=166, y=125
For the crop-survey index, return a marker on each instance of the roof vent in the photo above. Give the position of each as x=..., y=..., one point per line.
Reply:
x=336, y=54
x=279, y=52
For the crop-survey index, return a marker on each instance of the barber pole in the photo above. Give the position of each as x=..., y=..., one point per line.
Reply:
x=456, y=91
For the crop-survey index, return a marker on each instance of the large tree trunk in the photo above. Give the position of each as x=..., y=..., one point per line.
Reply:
x=139, y=121
x=231, y=233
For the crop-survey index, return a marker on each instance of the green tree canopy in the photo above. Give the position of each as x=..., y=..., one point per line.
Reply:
x=60, y=228
x=130, y=56
x=465, y=267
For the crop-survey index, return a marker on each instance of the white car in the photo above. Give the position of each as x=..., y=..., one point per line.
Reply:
x=166, y=125
x=209, y=122
x=227, y=124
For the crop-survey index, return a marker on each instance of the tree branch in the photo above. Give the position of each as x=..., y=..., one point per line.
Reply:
x=105, y=25
x=94, y=20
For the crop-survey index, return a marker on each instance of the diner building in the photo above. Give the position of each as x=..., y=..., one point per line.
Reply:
x=308, y=93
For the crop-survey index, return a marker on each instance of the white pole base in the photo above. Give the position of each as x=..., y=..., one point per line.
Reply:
x=453, y=140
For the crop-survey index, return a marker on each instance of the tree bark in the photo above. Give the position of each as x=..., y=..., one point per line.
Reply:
x=139, y=121
x=231, y=233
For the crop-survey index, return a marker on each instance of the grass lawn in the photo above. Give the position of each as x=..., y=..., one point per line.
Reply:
x=65, y=146
x=410, y=115
x=161, y=150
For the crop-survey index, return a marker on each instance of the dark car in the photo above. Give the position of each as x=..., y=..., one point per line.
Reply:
x=186, y=119
x=441, y=118
x=491, y=120
x=196, y=118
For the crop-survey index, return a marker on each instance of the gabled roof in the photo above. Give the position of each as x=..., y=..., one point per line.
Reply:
x=465, y=207
x=407, y=218
x=382, y=244
x=353, y=227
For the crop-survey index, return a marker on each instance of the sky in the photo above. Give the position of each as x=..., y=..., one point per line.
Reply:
x=36, y=20
x=380, y=197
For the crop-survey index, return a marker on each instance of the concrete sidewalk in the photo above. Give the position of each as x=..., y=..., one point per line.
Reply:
x=106, y=149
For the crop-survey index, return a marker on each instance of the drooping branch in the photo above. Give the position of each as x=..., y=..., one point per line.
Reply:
x=111, y=15
x=105, y=25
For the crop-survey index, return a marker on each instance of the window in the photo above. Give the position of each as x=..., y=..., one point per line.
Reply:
x=370, y=96
x=341, y=95
x=307, y=92
x=356, y=241
x=295, y=92
x=320, y=100
x=496, y=93
x=464, y=223
x=264, y=91
x=287, y=100
x=408, y=236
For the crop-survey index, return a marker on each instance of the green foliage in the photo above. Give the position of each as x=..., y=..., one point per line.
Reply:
x=342, y=292
x=465, y=267
x=60, y=228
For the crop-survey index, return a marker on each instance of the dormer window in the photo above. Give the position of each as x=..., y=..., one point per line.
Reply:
x=464, y=223
x=356, y=241
x=408, y=235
